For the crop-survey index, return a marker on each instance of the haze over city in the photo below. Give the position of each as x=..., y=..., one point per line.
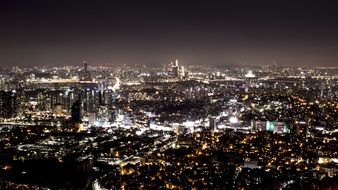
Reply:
x=178, y=94
x=293, y=33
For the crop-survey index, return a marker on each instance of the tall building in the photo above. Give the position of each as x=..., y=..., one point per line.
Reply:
x=87, y=97
x=85, y=74
x=302, y=129
x=177, y=71
x=176, y=63
x=77, y=112
x=91, y=118
x=213, y=123
x=8, y=104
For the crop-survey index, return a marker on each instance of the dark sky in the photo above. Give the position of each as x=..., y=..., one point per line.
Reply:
x=252, y=32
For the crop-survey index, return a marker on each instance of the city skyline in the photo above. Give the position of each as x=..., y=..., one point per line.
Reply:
x=176, y=127
x=38, y=33
x=179, y=94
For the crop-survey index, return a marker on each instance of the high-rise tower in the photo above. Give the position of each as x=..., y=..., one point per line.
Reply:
x=86, y=76
x=77, y=112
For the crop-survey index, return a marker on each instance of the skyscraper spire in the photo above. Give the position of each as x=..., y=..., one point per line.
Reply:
x=85, y=66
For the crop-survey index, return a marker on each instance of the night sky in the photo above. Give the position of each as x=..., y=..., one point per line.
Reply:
x=253, y=32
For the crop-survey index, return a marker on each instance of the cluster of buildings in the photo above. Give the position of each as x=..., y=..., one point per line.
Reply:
x=174, y=127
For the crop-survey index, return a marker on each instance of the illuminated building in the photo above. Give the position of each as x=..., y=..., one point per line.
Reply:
x=277, y=127
x=301, y=128
x=86, y=76
x=250, y=75
x=91, y=118
x=213, y=123
x=176, y=70
x=8, y=104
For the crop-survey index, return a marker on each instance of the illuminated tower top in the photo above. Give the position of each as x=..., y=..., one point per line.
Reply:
x=176, y=63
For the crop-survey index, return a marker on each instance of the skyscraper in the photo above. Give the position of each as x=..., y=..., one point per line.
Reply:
x=77, y=112
x=177, y=71
x=8, y=104
x=86, y=76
